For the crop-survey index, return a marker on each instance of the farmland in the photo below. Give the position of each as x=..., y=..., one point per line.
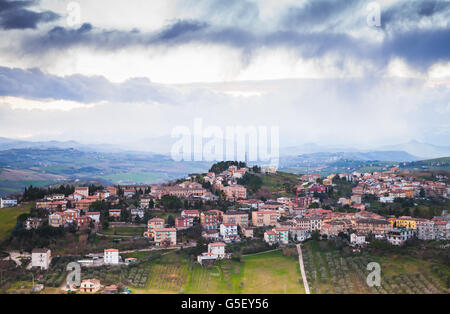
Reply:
x=332, y=271
x=270, y=272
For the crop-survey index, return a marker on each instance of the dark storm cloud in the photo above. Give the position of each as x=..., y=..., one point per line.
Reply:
x=413, y=12
x=420, y=47
x=34, y=84
x=15, y=15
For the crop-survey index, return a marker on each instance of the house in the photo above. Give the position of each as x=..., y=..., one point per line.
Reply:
x=194, y=213
x=215, y=251
x=239, y=218
x=234, y=192
x=357, y=239
x=210, y=219
x=398, y=236
x=356, y=198
x=375, y=226
x=270, y=237
x=33, y=223
x=184, y=222
x=56, y=220
x=136, y=212
x=41, y=258
x=82, y=221
x=229, y=232
x=264, y=218
x=210, y=234
x=332, y=228
x=165, y=236
x=70, y=215
x=405, y=222
x=217, y=248
x=130, y=260
x=426, y=231
x=247, y=232
x=152, y=224
x=95, y=216
x=129, y=192
x=144, y=202
x=112, y=190
x=90, y=286
x=282, y=235
x=277, y=235
x=299, y=234
x=84, y=204
x=115, y=213
x=7, y=202
x=111, y=256
x=111, y=289
x=83, y=191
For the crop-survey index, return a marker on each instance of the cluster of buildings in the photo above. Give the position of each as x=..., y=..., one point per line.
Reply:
x=226, y=182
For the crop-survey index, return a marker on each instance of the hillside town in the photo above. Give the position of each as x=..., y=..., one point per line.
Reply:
x=218, y=206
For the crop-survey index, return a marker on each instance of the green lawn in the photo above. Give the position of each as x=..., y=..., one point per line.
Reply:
x=125, y=231
x=8, y=218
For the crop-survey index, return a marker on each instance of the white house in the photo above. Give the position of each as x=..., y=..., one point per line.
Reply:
x=399, y=236
x=229, y=232
x=95, y=216
x=4, y=202
x=41, y=258
x=111, y=256
x=217, y=248
x=357, y=239
x=215, y=251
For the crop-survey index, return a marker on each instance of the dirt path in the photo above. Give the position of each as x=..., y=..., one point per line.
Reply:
x=302, y=268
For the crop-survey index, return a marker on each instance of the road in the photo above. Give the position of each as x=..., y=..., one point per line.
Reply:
x=302, y=268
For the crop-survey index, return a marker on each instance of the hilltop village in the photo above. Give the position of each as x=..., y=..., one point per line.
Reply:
x=231, y=204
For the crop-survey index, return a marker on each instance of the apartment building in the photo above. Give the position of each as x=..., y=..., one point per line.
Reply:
x=165, y=236
x=263, y=218
x=41, y=258
x=239, y=218
x=111, y=256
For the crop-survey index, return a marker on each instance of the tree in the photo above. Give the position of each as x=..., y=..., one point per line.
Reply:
x=171, y=221
x=171, y=202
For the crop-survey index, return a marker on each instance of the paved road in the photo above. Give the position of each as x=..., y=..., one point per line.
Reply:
x=302, y=268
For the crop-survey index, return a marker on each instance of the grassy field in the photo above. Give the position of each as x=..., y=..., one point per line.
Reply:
x=125, y=231
x=8, y=218
x=270, y=272
x=331, y=271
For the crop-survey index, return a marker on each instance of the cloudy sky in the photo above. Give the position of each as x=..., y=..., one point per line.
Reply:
x=126, y=72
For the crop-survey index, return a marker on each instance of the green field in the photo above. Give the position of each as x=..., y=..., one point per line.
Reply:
x=125, y=231
x=8, y=218
x=270, y=272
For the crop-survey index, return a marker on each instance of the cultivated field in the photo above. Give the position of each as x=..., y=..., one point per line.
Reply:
x=270, y=272
x=330, y=271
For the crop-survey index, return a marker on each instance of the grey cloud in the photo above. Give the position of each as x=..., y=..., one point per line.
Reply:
x=15, y=15
x=420, y=47
x=35, y=84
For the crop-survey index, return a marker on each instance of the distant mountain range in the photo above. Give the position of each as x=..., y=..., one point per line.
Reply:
x=421, y=150
x=410, y=151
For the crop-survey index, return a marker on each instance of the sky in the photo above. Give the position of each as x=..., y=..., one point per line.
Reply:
x=129, y=72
